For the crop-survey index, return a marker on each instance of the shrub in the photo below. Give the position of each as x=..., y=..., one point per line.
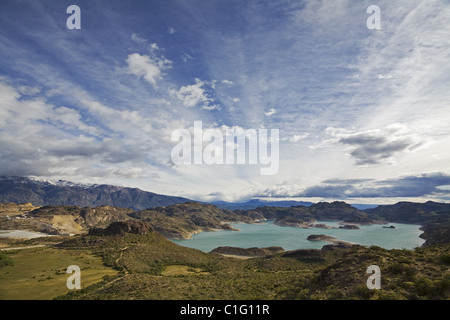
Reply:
x=445, y=258
x=362, y=292
x=424, y=287
x=5, y=260
x=402, y=269
x=389, y=295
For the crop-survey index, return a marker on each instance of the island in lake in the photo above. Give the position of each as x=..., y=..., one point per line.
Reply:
x=333, y=240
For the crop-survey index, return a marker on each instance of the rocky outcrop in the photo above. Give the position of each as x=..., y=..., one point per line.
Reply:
x=333, y=240
x=320, y=237
x=104, y=215
x=181, y=221
x=123, y=227
x=294, y=222
x=349, y=227
x=13, y=208
x=321, y=226
x=436, y=233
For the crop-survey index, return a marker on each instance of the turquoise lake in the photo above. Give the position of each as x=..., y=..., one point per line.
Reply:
x=266, y=234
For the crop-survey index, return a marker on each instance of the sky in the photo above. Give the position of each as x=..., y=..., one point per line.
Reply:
x=362, y=114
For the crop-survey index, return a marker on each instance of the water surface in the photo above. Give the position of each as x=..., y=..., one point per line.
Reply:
x=266, y=234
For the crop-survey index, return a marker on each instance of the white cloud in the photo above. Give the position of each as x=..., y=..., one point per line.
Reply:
x=153, y=47
x=171, y=30
x=384, y=76
x=296, y=138
x=272, y=111
x=211, y=107
x=145, y=66
x=195, y=95
x=227, y=82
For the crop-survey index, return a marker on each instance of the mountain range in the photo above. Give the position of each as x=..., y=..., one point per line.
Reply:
x=40, y=193
x=181, y=217
x=25, y=190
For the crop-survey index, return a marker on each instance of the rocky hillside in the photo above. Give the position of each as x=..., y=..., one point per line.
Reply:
x=40, y=193
x=434, y=218
x=410, y=212
x=337, y=210
x=123, y=227
x=60, y=220
x=175, y=221
x=184, y=220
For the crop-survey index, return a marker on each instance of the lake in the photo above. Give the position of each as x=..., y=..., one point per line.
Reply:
x=266, y=234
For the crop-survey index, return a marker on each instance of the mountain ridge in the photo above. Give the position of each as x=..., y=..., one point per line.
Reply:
x=39, y=193
x=434, y=217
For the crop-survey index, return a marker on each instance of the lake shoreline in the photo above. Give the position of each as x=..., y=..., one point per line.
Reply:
x=404, y=236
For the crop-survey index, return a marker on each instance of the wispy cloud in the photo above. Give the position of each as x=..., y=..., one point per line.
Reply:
x=367, y=109
x=424, y=185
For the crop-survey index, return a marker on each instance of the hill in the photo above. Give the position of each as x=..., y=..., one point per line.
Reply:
x=184, y=220
x=154, y=268
x=433, y=216
x=179, y=221
x=41, y=193
x=337, y=210
x=257, y=203
x=410, y=212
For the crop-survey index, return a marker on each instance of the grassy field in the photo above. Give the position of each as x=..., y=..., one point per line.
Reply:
x=40, y=273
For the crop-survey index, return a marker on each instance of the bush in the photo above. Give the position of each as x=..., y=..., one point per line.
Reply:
x=405, y=271
x=389, y=295
x=424, y=287
x=362, y=292
x=5, y=260
x=445, y=258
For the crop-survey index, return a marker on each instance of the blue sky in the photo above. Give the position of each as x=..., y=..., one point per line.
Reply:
x=363, y=115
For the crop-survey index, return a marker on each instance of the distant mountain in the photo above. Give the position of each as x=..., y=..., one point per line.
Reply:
x=39, y=193
x=256, y=203
x=433, y=216
x=336, y=210
x=410, y=212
